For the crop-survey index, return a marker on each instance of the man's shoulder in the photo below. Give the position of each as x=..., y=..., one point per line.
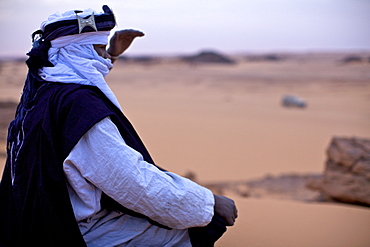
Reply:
x=68, y=93
x=73, y=89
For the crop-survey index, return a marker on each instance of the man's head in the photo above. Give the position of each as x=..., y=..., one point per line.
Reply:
x=80, y=27
x=76, y=22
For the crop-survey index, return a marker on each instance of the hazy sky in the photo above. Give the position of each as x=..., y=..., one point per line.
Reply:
x=188, y=26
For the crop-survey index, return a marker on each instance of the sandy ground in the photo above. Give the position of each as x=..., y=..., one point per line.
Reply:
x=226, y=125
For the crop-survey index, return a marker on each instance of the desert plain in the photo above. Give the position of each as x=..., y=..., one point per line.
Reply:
x=224, y=125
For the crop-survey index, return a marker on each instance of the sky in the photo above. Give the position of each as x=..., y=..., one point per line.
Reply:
x=190, y=26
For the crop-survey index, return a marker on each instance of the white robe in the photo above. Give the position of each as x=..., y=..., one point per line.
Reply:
x=101, y=161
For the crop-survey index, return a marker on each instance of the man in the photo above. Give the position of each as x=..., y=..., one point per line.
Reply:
x=77, y=173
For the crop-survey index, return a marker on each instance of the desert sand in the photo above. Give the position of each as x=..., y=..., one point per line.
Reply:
x=224, y=125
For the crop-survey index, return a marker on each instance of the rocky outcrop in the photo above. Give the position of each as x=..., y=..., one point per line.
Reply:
x=209, y=57
x=291, y=101
x=347, y=171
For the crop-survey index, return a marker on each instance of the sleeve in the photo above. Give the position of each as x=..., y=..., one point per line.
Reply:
x=103, y=158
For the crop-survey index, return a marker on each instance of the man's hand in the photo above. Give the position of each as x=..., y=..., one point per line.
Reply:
x=121, y=40
x=226, y=208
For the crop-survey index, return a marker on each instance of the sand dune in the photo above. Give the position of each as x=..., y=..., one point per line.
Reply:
x=225, y=123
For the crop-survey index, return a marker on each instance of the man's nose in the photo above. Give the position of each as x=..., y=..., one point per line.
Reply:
x=107, y=55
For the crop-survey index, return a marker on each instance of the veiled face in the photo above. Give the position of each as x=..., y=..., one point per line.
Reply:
x=102, y=51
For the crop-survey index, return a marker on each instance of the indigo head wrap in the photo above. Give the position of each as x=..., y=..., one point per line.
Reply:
x=68, y=23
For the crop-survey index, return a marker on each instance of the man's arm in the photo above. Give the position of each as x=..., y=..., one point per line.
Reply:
x=122, y=40
x=103, y=158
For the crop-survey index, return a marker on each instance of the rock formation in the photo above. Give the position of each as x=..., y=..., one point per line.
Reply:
x=291, y=101
x=347, y=171
x=209, y=57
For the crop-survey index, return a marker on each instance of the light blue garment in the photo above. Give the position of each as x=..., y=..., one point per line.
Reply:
x=101, y=161
x=116, y=229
